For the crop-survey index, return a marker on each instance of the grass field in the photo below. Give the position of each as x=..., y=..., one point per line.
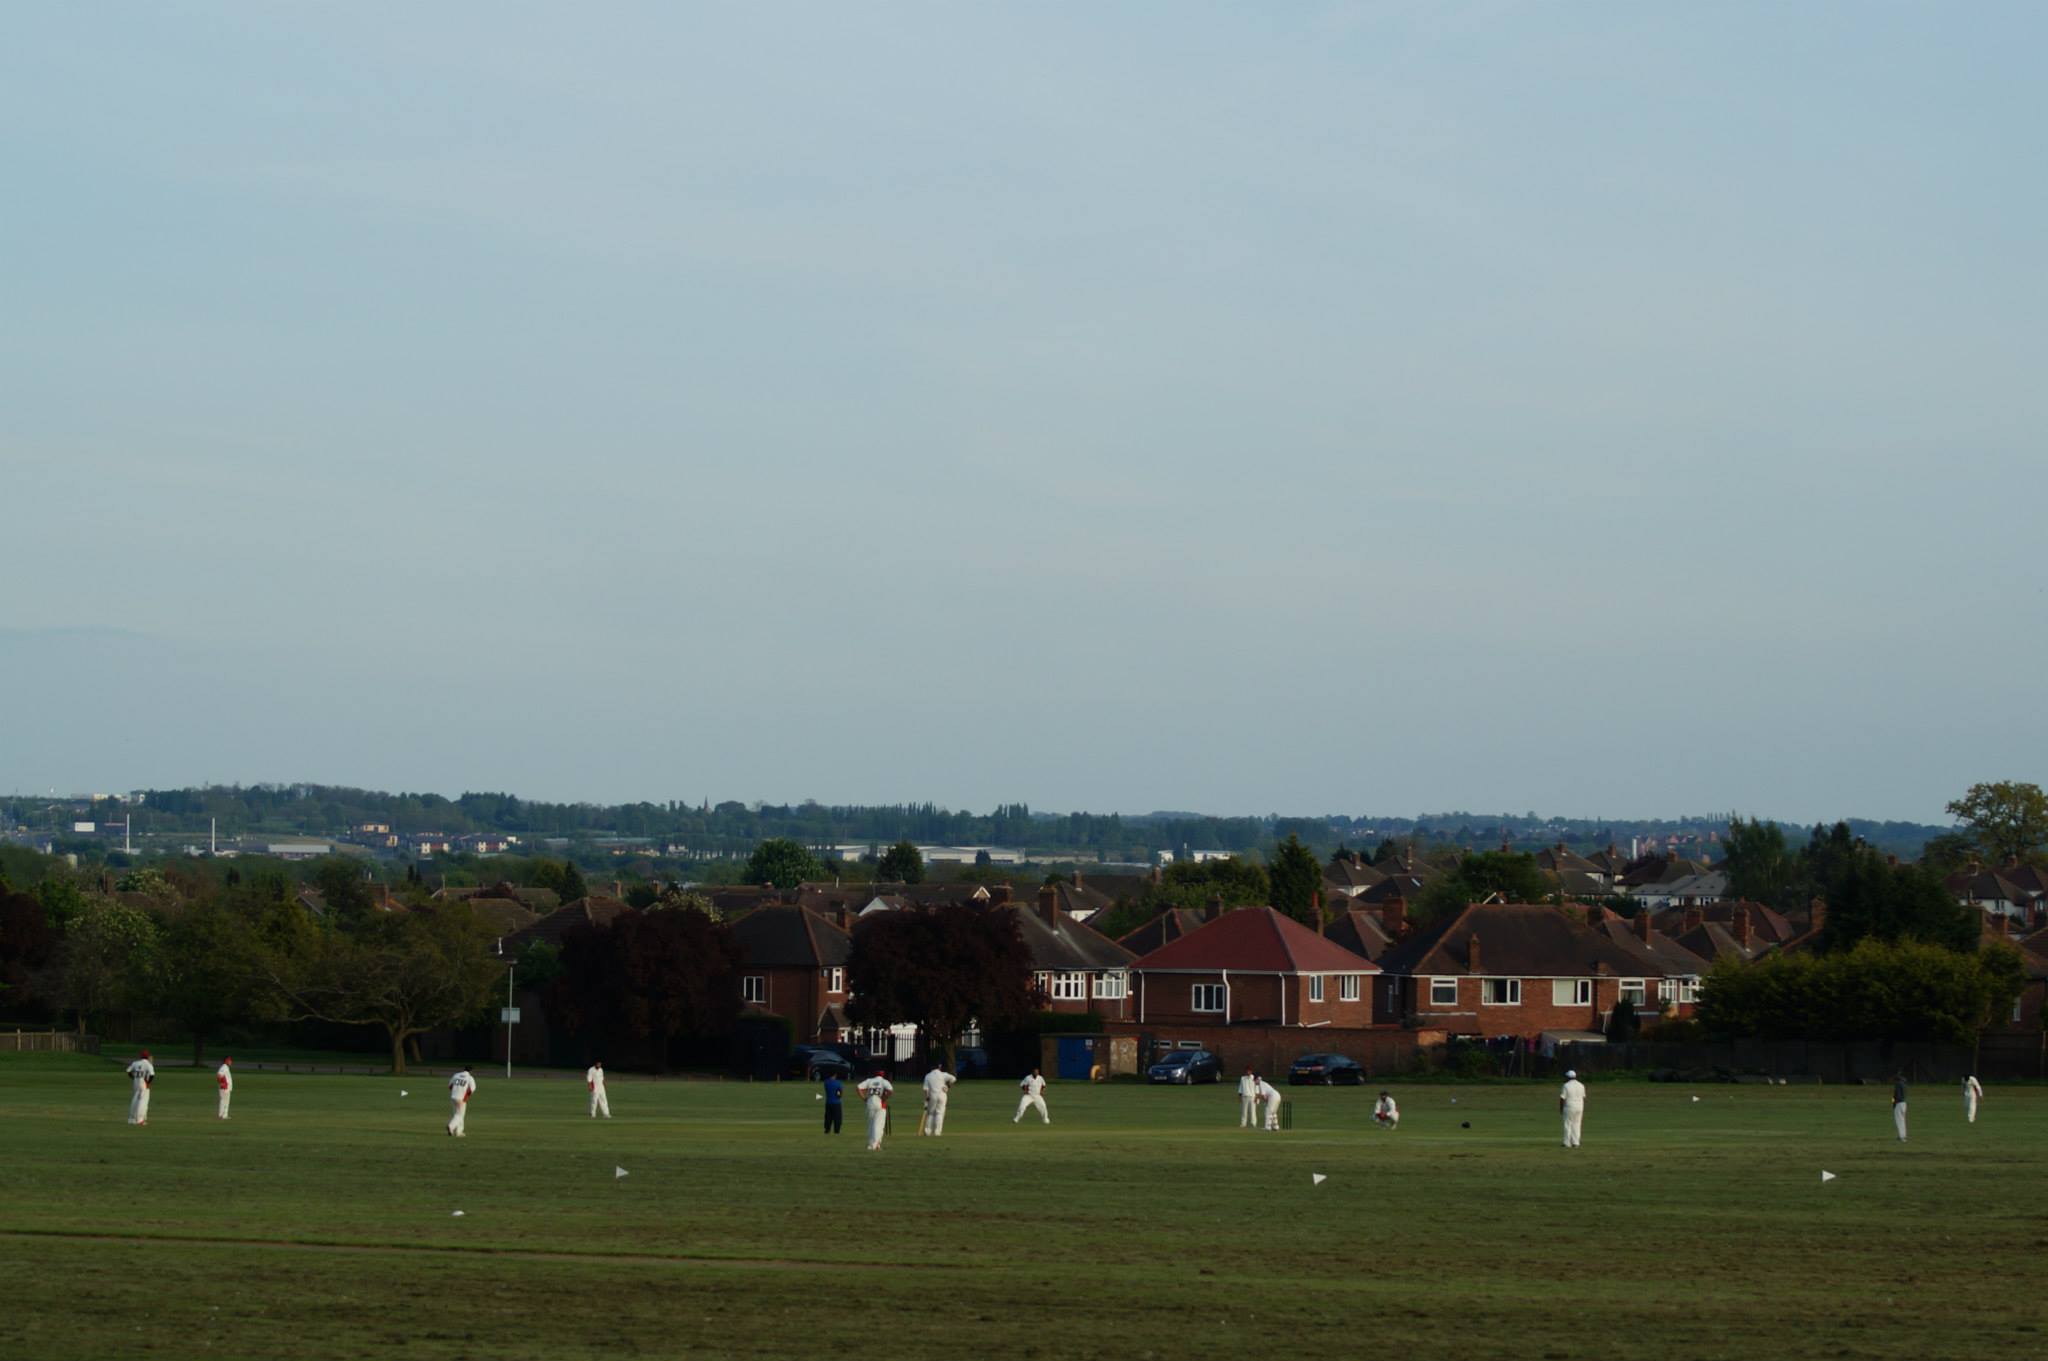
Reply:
x=319, y=1223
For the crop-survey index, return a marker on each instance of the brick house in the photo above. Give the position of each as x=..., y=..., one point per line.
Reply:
x=1078, y=969
x=1254, y=965
x=1671, y=973
x=794, y=965
x=1499, y=969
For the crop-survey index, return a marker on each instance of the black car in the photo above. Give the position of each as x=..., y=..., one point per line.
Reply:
x=1328, y=1070
x=814, y=1061
x=1186, y=1066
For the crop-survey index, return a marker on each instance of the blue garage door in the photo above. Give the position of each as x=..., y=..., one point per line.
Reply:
x=1077, y=1055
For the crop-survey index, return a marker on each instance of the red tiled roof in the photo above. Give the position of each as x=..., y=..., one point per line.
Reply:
x=1255, y=940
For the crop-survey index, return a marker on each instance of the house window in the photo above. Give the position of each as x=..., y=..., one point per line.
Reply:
x=1634, y=993
x=1443, y=992
x=1112, y=985
x=754, y=988
x=1571, y=992
x=1070, y=987
x=838, y=981
x=1347, y=987
x=1501, y=992
x=1688, y=990
x=1315, y=988
x=1042, y=982
x=1208, y=997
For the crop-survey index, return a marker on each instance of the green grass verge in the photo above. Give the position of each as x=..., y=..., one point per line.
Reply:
x=319, y=1223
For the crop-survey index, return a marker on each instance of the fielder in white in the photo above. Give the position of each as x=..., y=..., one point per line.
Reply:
x=224, y=1078
x=1248, y=1100
x=1899, y=1106
x=876, y=1089
x=1269, y=1097
x=460, y=1088
x=938, y=1085
x=1973, y=1092
x=141, y=1074
x=593, y=1078
x=1385, y=1113
x=1571, y=1103
x=1033, y=1088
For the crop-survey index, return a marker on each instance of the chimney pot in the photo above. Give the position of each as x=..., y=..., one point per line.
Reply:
x=1643, y=924
x=1817, y=911
x=1049, y=905
x=1472, y=953
x=1077, y=878
x=1214, y=909
x=1394, y=916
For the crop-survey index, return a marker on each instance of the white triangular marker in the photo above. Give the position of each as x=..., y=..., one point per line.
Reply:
x=1826, y=1177
x=405, y=1093
x=456, y=1215
x=1695, y=1098
x=618, y=1172
x=1317, y=1179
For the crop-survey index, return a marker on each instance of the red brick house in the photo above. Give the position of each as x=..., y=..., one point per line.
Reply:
x=1079, y=970
x=1670, y=972
x=795, y=967
x=1518, y=969
x=1253, y=965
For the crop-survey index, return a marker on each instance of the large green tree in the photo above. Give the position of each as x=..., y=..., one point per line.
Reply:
x=939, y=969
x=108, y=954
x=1514, y=875
x=206, y=970
x=783, y=863
x=2008, y=818
x=1296, y=877
x=1760, y=866
x=902, y=863
x=1870, y=898
x=632, y=989
x=1877, y=991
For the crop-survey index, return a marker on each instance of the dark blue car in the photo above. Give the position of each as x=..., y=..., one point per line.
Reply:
x=1186, y=1066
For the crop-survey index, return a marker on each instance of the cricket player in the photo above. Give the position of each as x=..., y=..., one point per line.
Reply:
x=1973, y=1092
x=593, y=1078
x=142, y=1073
x=224, y=1078
x=835, y=1110
x=1033, y=1088
x=1248, y=1100
x=938, y=1085
x=1899, y=1105
x=460, y=1088
x=1269, y=1097
x=1385, y=1113
x=1571, y=1104
x=876, y=1089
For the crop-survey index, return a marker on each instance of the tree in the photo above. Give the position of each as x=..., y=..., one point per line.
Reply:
x=206, y=971
x=343, y=888
x=902, y=863
x=563, y=877
x=108, y=951
x=1877, y=991
x=2008, y=818
x=1870, y=898
x=1512, y=874
x=940, y=969
x=1195, y=884
x=781, y=862
x=407, y=973
x=646, y=980
x=1296, y=877
x=27, y=945
x=1759, y=866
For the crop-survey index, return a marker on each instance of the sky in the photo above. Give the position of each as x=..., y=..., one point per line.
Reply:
x=1602, y=410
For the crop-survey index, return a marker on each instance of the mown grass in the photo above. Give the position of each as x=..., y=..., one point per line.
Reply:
x=319, y=1223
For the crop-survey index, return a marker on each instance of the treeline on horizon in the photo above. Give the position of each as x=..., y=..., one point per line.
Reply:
x=732, y=827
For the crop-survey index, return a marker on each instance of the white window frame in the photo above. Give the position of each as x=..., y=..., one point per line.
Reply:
x=754, y=988
x=1042, y=981
x=1688, y=990
x=1070, y=987
x=838, y=981
x=1112, y=985
x=1637, y=991
x=1315, y=987
x=1509, y=988
x=1347, y=987
x=1571, y=992
x=1204, y=992
x=1435, y=984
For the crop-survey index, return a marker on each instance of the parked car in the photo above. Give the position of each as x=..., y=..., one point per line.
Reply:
x=1328, y=1070
x=970, y=1061
x=814, y=1061
x=1186, y=1066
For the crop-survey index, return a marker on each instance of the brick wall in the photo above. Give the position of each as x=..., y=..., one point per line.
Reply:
x=1253, y=998
x=1536, y=1012
x=1272, y=1049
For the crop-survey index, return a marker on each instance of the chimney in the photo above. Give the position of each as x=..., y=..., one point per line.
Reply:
x=1077, y=878
x=1472, y=953
x=1693, y=918
x=1892, y=860
x=1002, y=895
x=618, y=889
x=1817, y=913
x=2004, y=926
x=1159, y=874
x=1394, y=916
x=1322, y=923
x=1742, y=926
x=1049, y=905
x=1214, y=909
x=1504, y=847
x=1643, y=925
x=842, y=918
x=1408, y=858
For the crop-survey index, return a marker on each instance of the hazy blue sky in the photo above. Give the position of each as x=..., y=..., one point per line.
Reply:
x=1600, y=409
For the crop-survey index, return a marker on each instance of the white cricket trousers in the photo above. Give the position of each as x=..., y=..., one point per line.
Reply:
x=222, y=1112
x=138, y=1105
x=1899, y=1119
x=1247, y=1112
x=1273, y=1113
x=458, y=1111
x=600, y=1105
x=935, y=1118
x=1031, y=1103
x=1574, y=1119
x=1970, y=1107
x=878, y=1115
